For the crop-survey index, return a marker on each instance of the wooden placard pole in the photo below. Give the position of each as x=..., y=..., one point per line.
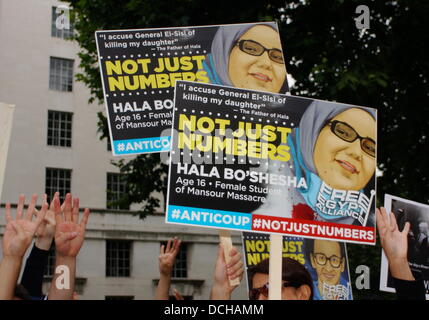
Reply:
x=226, y=241
x=6, y=117
x=275, y=276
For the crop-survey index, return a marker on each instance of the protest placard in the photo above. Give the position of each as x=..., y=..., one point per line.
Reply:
x=257, y=161
x=139, y=69
x=325, y=261
x=6, y=117
x=417, y=214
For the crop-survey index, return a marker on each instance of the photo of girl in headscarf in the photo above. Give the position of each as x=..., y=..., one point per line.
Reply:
x=334, y=150
x=247, y=56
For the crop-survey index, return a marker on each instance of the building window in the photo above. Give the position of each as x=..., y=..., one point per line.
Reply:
x=57, y=180
x=119, y=297
x=180, y=268
x=61, y=74
x=65, y=31
x=116, y=189
x=59, y=128
x=50, y=266
x=118, y=258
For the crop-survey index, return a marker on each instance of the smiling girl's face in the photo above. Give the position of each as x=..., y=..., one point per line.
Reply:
x=341, y=164
x=257, y=72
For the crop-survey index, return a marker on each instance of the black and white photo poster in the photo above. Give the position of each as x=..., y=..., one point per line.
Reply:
x=417, y=214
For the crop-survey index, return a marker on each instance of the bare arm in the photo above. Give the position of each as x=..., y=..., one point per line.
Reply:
x=18, y=236
x=167, y=258
x=69, y=237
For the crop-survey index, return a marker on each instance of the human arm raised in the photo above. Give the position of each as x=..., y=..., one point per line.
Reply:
x=17, y=237
x=35, y=265
x=69, y=237
x=167, y=258
x=395, y=245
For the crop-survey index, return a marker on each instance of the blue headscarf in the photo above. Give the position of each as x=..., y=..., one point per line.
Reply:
x=216, y=63
x=302, y=142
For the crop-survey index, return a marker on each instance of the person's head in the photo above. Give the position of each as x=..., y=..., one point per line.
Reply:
x=328, y=260
x=296, y=281
x=250, y=57
x=338, y=143
x=423, y=227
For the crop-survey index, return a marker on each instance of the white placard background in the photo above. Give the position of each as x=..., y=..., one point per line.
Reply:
x=6, y=117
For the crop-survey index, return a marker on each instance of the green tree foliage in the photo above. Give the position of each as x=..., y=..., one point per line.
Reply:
x=385, y=67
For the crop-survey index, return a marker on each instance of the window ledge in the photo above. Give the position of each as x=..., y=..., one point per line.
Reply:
x=193, y=281
x=79, y=281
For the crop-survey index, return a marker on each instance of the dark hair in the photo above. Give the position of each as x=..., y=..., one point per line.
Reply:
x=22, y=293
x=309, y=248
x=292, y=271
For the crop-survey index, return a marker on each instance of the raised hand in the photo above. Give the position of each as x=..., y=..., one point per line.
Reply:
x=223, y=272
x=167, y=256
x=69, y=233
x=20, y=232
x=17, y=237
x=46, y=231
x=395, y=244
x=69, y=236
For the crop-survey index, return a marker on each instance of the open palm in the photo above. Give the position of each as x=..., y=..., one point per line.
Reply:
x=394, y=242
x=167, y=256
x=69, y=238
x=20, y=232
x=69, y=233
